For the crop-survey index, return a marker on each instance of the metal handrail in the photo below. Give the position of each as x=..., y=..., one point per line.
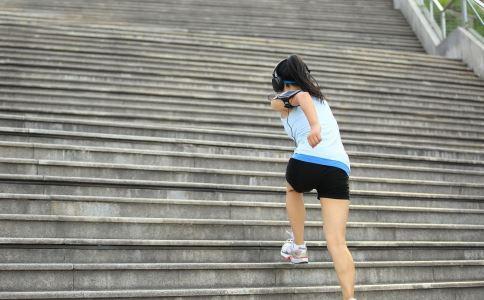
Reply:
x=442, y=11
x=475, y=10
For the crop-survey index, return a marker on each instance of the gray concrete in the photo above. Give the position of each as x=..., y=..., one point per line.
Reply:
x=139, y=158
x=432, y=138
x=72, y=171
x=364, y=164
x=237, y=160
x=249, y=19
x=61, y=250
x=466, y=45
x=466, y=156
x=419, y=291
x=206, y=209
x=198, y=117
x=344, y=111
x=52, y=226
x=171, y=276
x=161, y=190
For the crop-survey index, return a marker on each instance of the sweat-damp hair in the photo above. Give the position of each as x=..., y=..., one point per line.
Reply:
x=295, y=69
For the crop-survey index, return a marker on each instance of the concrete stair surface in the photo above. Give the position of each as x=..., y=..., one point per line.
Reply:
x=355, y=23
x=139, y=158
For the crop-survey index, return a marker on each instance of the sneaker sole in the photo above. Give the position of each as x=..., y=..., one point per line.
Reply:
x=285, y=255
x=303, y=260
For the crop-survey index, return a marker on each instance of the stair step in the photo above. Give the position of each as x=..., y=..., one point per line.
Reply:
x=226, y=46
x=203, y=79
x=114, y=276
x=58, y=226
x=206, y=118
x=50, y=151
x=206, y=209
x=259, y=179
x=469, y=290
x=185, y=85
x=119, y=181
x=343, y=106
x=75, y=250
x=224, y=134
x=138, y=31
x=223, y=148
x=175, y=16
x=236, y=55
x=327, y=63
x=32, y=184
x=332, y=33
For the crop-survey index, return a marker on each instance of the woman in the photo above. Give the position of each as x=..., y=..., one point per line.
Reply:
x=319, y=162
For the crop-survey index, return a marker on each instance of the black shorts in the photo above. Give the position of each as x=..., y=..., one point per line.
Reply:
x=329, y=181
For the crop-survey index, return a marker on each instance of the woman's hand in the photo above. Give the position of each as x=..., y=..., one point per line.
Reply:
x=314, y=137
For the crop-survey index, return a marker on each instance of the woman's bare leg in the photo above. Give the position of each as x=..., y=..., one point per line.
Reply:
x=296, y=213
x=335, y=215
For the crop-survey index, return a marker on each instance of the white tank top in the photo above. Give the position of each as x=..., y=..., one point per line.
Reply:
x=330, y=151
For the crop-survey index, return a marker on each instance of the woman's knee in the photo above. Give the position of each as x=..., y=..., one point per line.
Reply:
x=335, y=244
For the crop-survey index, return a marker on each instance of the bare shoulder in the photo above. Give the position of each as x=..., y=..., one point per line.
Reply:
x=299, y=97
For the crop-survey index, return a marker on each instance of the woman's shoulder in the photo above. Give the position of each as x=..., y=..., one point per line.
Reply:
x=319, y=100
x=300, y=96
x=296, y=100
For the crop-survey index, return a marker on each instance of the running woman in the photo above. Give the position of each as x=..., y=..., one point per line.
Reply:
x=319, y=162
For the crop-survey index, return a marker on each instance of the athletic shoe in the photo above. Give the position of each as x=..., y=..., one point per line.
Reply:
x=291, y=252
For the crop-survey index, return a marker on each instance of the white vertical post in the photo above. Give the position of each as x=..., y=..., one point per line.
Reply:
x=443, y=25
x=464, y=13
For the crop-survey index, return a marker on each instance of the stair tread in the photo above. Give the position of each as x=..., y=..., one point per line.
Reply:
x=93, y=94
x=134, y=138
x=269, y=290
x=223, y=203
x=117, y=150
x=101, y=165
x=38, y=242
x=223, y=265
x=139, y=220
x=197, y=185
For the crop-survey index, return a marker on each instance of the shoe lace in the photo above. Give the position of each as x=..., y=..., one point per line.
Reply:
x=291, y=236
x=291, y=240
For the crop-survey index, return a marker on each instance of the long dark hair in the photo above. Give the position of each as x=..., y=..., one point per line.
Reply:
x=293, y=68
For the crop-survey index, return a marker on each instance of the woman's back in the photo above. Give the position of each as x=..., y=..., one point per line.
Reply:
x=330, y=151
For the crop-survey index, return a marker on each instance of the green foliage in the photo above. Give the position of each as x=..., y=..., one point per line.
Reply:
x=454, y=13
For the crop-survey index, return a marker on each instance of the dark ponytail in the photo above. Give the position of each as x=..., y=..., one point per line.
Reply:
x=293, y=68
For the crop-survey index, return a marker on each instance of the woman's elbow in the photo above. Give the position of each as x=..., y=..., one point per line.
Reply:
x=277, y=105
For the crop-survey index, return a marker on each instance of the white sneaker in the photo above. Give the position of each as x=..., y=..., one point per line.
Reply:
x=293, y=253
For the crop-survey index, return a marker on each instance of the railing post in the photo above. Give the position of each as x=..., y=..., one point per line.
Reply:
x=443, y=25
x=464, y=13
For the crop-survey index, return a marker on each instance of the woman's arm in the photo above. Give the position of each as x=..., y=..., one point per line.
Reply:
x=278, y=105
x=306, y=102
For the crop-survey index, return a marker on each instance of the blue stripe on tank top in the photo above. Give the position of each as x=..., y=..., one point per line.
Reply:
x=322, y=161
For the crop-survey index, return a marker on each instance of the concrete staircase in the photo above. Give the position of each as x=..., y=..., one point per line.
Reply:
x=139, y=158
x=370, y=24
